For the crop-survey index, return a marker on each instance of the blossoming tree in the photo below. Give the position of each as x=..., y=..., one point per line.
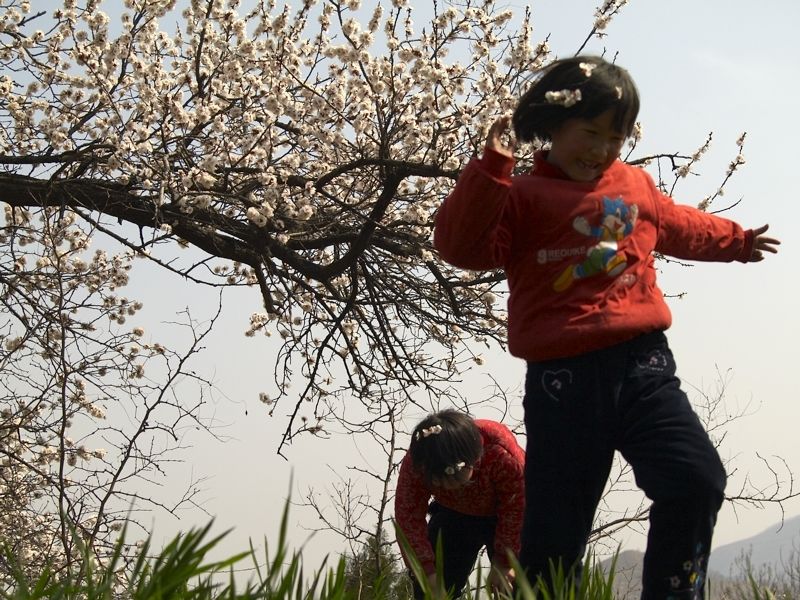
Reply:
x=306, y=150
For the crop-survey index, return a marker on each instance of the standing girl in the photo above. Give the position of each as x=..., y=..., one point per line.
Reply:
x=576, y=238
x=473, y=471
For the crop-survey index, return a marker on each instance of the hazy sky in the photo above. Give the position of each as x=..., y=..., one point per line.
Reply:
x=725, y=66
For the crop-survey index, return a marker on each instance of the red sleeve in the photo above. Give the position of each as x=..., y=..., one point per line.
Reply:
x=510, y=486
x=687, y=232
x=410, y=507
x=468, y=232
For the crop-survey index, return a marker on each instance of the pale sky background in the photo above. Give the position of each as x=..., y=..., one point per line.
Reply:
x=725, y=66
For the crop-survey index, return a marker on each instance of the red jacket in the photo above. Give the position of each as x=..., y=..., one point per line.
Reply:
x=497, y=489
x=578, y=256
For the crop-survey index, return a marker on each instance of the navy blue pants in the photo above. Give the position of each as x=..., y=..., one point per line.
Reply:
x=578, y=411
x=462, y=536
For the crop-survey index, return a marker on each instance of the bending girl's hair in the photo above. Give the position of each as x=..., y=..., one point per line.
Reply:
x=443, y=443
x=581, y=87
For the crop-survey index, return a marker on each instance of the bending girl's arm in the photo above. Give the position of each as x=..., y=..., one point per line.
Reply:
x=410, y=507
x=510, y=491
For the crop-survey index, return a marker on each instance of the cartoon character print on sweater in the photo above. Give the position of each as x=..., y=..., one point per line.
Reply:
x=617, y=221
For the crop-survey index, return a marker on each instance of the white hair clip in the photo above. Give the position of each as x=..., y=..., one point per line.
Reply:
x=587, y=68
x=432, y=430
x=452, y=470
x=565, y=98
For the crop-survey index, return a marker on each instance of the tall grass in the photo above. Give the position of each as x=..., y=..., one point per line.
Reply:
x=184, y=570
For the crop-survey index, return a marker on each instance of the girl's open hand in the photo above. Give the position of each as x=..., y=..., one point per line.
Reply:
x=762, y=243
x=501, y=581
x=436, y=587
x=495, y=138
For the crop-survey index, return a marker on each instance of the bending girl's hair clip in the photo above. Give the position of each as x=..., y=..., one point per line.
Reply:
x=452, y=470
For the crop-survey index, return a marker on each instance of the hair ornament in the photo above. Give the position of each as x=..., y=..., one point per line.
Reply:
x=453, y=469
x=587, y=68
x=565, y=98
x=432, y=430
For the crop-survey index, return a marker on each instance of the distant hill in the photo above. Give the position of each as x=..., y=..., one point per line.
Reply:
x=773, y=546
x=627, y=575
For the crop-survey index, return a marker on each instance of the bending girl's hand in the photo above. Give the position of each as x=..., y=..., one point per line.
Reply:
x=501, y=580
x=436, y=587
x=494, y=140
x=762, y=243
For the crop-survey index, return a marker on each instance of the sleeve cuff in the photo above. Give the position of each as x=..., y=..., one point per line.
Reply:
x=497, y=165
x=747, y=249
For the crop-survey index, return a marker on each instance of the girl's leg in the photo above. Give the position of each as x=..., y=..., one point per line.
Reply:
x=568, y=459
x=462, y=537
x=677, y=466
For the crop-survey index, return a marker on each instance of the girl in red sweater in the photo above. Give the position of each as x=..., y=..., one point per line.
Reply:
x=576, y=237
x=473, y=471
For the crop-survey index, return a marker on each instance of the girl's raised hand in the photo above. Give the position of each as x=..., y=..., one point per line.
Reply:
x=762, y=243
x=495, y=139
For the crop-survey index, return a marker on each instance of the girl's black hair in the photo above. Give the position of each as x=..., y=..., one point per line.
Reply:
x=602, y=86
x=459, y=441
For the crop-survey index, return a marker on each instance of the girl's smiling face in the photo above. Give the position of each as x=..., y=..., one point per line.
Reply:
x=585, y=148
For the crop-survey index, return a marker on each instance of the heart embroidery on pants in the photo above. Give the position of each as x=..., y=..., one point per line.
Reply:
x=555, y=383
x=656, y=362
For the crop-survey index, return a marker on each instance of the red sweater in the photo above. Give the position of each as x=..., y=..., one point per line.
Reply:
x=497, y=489
x=578, y=256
